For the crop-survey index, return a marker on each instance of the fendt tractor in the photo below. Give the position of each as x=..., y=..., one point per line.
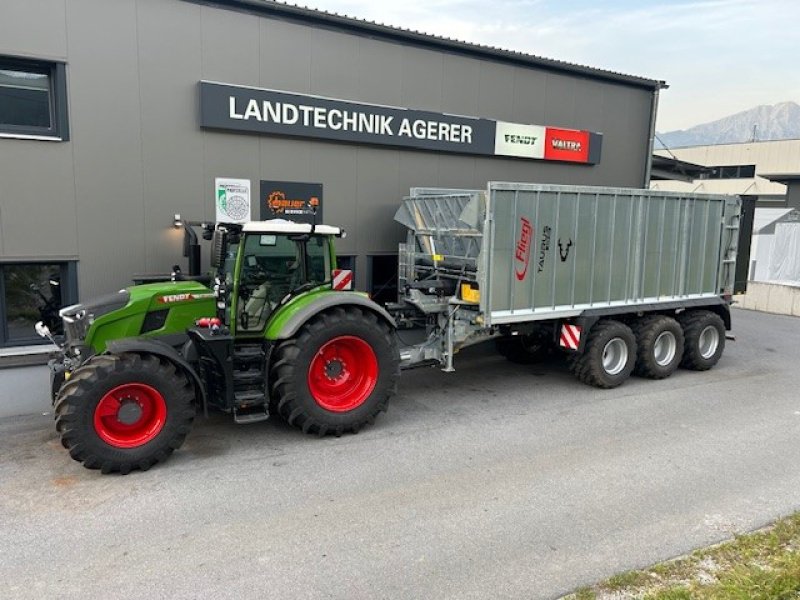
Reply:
x=618, y=280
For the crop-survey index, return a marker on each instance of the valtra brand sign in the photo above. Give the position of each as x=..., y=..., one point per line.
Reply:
x=265, y=111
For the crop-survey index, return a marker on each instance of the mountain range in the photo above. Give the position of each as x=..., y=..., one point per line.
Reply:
x=767, y=122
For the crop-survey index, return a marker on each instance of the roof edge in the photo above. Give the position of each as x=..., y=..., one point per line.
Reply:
x=301, y=14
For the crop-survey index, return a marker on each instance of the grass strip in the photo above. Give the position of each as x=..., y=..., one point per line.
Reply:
x=763, y=565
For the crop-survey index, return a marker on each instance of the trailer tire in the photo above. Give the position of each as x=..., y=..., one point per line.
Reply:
x=522, y=349
x=123, y=412
x=314, y=384
x=659, y=343
x=704, y=332
x=608, y=357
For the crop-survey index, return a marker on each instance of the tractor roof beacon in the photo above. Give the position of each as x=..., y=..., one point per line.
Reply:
x=619, y=281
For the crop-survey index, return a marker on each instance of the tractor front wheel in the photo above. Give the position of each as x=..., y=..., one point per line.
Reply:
x=337, y=374
x=124, y=412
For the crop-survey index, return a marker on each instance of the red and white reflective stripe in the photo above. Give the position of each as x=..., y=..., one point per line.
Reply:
x=342, y=279
x=570, y=337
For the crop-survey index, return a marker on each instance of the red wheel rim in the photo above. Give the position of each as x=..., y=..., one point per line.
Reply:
x=343, y=373
x=130, y=415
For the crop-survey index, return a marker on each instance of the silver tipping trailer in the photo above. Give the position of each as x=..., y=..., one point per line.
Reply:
x=620, y=279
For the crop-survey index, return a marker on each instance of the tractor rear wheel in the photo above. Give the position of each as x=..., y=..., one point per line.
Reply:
x=337, y=374
x=608, y=357
x=124, y=412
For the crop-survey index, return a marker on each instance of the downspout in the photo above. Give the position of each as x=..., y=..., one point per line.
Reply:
x=648, y=163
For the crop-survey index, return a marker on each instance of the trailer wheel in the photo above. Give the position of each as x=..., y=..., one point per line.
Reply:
x=608, y=356
x=704, y=332
x=522, y=349
x=337, y=374
x=659, y=342
x=124, y=412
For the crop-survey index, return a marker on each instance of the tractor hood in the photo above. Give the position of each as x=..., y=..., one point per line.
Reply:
x=165, y=308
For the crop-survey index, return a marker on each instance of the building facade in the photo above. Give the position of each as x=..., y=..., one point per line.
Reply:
x=759, y=170
x=115, y=116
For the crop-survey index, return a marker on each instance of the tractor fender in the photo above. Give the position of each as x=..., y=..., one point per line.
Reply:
x=164, y=350
x=299, y=318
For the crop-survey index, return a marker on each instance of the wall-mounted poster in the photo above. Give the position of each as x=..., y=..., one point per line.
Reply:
x=232, y=198
x=290, y=200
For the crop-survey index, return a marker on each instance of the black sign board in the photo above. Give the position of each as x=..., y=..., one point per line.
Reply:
x=290, y=200
x=258, y=110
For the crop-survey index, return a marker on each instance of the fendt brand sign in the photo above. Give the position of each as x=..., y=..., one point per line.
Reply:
x=257, y=110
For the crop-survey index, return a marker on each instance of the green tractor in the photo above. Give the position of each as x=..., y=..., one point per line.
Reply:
x=277, y=333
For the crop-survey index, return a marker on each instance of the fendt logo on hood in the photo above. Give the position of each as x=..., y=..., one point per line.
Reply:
x=170, y=298
x=522, y=254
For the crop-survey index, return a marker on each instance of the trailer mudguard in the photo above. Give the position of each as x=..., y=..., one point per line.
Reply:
x=324, y=302
x=164, y=350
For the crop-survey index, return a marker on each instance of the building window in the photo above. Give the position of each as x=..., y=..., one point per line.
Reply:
x=733, y=172
x=33, y=99
x=31, y=292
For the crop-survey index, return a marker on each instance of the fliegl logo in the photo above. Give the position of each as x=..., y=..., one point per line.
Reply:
x=279, y=204
x=522, y=253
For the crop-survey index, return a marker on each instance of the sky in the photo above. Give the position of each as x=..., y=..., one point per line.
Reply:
x=719, y=57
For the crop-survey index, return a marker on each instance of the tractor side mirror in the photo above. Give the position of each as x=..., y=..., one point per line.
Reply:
x=219, y=248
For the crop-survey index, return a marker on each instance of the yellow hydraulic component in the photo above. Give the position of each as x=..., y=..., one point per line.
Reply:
x=470, y=294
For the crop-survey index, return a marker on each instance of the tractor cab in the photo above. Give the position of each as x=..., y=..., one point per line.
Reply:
x=264, y=264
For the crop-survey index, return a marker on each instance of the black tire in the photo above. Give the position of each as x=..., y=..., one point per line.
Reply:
x=107, y=442
x=659, y=343
x=597, y=366
x=704, y=333
x=522, y=349
x=290, y=374
x=55, y=385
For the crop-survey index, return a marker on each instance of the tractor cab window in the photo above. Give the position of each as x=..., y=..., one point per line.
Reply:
x=272, y=267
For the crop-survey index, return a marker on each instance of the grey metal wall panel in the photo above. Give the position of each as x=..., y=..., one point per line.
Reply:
x=377, y=171
x=337, y=166
x=282, y=69
x=421, y=78
x=105, y=113
x=496, y=91
x=529, y=95
x=560, y=101
x=172, y=146
x=458, y=85
x=229, y=46
x=330, y=51
x=33, y=29
x=137, y=154
x=37, y=213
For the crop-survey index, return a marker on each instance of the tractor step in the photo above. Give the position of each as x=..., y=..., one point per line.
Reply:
x=249, y=377
x=249, y=353
x=246, y=398
x=254, y=414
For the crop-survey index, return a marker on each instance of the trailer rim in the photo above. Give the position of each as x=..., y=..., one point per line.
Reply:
x=708, y=341
x=615, y=356
x=665, y=348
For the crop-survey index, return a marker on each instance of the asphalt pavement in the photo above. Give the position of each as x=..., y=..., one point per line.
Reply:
x=496, y=481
